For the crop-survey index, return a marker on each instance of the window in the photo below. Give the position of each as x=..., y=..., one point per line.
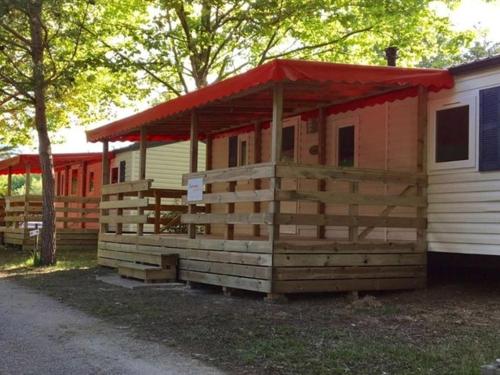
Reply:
x=489, y=129
x=452, y=137
x=243, y=153
x=91, y=181
x=452, y=134
x=74, y=181
x=345, y=146
x=233, y=151
x=123, y=165
x=114, y=175
x=288, y=143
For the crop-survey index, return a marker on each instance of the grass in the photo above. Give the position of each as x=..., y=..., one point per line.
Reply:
x=450, y=328
x=17, y=261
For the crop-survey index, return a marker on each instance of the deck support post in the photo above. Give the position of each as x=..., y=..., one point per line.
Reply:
x=105, y=181
x=208, y=187
x=67, y=172
x=27, y=189
x=275, y=182
x=422, y=162
x=193, y=164
x=320, y=229
x=142, y=176
x=84, y=190
x=276, y=146
x=257, y=183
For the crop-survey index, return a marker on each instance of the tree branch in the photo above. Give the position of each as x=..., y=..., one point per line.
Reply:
x=319, y=45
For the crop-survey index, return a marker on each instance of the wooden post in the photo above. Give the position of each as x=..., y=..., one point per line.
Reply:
x=275, y=182
x=208, y=166
x=66, y=192
x=229, y=231
x=142, y=174
x=105, y=181
x=320, y=230
x=193, y=164
x=422, y=162
x=353, y=212
x=9, y=182
x=257, y=183
x=84, y=191
x=157, y=211
x=27, y=188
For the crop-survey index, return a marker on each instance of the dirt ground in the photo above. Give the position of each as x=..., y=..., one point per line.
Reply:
x=449, y=328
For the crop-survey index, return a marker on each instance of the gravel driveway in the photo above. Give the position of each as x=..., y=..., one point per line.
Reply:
x=39, y=335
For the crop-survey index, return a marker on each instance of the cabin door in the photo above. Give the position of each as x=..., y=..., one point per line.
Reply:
x=290, y=148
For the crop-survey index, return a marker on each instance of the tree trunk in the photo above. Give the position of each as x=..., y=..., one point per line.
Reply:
x=48, y=236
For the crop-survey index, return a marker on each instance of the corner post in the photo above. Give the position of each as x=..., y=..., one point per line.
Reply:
x=422, y=163
x=105, y=181
x=142, y=176
x=208, y=166
x=84, y=192
x=257, y=183
x=275, y=182
x=320, y=230
x=193, y=164
x=27, y=188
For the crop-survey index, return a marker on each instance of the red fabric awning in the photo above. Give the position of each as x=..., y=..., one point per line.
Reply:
x=247, y=97
x=18, y=163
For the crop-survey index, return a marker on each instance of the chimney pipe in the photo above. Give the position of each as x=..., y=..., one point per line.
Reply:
x=391, y=54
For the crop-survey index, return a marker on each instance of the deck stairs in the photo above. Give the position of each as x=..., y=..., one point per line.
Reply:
x=159, y=268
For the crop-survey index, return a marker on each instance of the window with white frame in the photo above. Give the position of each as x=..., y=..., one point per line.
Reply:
x=452, y=135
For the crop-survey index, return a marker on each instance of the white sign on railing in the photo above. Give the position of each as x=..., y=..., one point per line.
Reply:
x=195, y=189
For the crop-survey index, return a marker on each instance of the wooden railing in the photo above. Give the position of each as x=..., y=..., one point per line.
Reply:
x=359, y=200
x=130, y=206
x=71, y=212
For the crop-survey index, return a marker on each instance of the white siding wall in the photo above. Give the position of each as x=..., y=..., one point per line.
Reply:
x=164, y=164
x=464, y=204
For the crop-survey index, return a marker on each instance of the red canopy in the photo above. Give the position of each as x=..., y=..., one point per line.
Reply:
x=247, y=97
x=17, y=164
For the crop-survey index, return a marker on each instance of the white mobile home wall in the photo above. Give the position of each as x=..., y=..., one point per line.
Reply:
x=464, y=204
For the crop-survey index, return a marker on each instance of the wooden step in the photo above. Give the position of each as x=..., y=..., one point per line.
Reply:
x=146, y=273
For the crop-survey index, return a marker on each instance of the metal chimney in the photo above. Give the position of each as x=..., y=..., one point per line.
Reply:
x=391, y=55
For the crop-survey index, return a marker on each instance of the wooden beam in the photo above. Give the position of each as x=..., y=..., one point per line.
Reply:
x=320, y=230
x=142, y=153
x=193, y=164
x=208, y=166
x=142, y=176
x=422, y=161
x=276, y=146
x=84, y=187
x=105, y=163
x=105, y=181
x=257, y=183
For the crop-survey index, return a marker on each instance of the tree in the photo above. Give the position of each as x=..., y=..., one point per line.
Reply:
x=46, y=59
x=188, y=44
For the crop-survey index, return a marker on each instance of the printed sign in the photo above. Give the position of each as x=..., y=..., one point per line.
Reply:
x=195, y=189
x=34, y=232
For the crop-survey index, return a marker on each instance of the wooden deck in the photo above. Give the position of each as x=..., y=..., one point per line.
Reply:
x=76, y=222
x=359, y=201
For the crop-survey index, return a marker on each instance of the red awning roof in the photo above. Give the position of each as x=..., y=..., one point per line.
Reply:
x=247, y=97
x=19, y=163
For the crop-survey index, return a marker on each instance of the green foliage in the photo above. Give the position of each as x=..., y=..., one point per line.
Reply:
x=82, y=81
x=183, y=45
x=18, y=182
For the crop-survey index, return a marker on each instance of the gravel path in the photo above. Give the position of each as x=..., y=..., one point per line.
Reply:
x=39, y=335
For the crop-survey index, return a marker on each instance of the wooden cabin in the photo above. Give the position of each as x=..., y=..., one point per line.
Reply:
x=78, y=193
x=315, y=180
